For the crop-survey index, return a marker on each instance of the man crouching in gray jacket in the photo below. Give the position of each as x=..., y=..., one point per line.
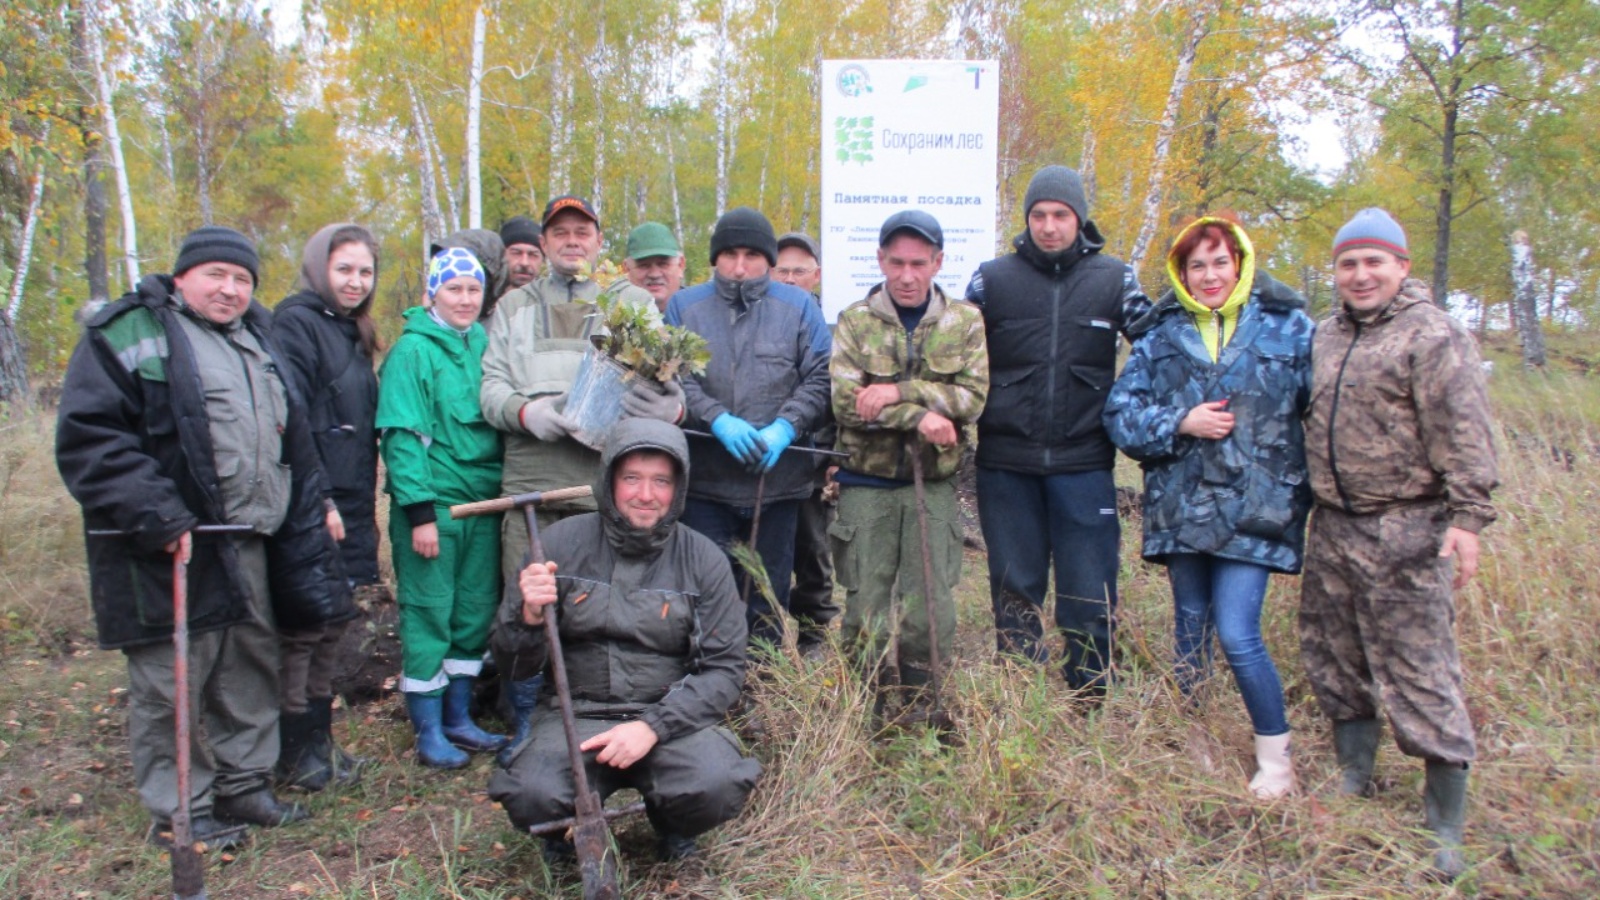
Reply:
x=654, y=638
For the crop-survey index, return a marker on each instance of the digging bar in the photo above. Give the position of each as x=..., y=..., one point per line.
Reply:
x=188, y=870
x=938, y=716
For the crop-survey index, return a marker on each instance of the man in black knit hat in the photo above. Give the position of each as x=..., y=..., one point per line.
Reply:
x=1053, y=311
x=524, y=254
x=174, y=415
x=765, y=387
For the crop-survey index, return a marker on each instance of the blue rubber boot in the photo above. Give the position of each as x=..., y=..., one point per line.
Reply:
x=524, y=697
x=432, y=747
x=458, y=725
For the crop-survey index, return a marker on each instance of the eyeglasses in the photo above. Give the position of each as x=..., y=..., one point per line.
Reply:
x=794, y=272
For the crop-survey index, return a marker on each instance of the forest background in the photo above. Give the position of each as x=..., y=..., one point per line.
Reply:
x=123, y=125
x=127, y=123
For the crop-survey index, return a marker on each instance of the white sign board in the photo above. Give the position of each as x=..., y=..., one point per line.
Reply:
x=906, y=134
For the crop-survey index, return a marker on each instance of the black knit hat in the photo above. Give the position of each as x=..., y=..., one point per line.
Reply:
x=1060, y=184
x=744, y=227
x=213, y=243
x=520, y=230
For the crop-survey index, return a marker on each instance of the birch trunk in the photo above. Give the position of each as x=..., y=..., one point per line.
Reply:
x=560, y=140
x=1199, y=23
x=452, y=203
x=432, y=219
x=601, y=70
x=1525, y=302
x=30, y=225
x=474, y=114
x=1086, y=163
x=13, y=369
x=95, y=51
x=672, y=181
x=723, y=114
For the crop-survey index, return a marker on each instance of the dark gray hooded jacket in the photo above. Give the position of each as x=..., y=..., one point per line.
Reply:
x=651, y=625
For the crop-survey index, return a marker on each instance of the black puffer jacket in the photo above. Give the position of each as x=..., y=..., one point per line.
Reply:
x=1052, y=321
x=133, y=445
x=651, y=626
x=324, y=363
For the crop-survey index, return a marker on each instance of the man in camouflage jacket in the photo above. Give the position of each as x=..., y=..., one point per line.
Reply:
x=1401, y=456
x=910, y=371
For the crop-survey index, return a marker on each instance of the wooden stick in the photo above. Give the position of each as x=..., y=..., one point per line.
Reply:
x=532, y=498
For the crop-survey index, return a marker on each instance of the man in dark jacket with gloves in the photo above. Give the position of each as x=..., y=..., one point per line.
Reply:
x=654, y=639
x=174, y=414
x=765, y=387
x=1053, y=311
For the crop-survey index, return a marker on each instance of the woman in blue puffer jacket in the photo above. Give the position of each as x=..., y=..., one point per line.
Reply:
x=1210, y=403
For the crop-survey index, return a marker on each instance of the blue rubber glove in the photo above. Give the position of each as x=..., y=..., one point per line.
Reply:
x=777, y=437
x=739, y=437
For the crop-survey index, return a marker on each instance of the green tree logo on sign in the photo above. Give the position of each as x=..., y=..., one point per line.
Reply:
x=852, y=139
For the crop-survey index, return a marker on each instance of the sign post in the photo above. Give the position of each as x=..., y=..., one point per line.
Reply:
x=906, y=134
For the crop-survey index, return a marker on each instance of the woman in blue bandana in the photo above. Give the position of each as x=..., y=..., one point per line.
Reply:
x=439, y=451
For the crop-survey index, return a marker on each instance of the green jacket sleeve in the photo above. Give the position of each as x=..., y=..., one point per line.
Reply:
x=405, y=421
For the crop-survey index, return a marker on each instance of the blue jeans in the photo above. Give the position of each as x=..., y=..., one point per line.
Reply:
x=1211, y=595
x=1028, y=522
x=729, y=525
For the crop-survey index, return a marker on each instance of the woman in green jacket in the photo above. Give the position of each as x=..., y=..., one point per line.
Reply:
x=439, y=451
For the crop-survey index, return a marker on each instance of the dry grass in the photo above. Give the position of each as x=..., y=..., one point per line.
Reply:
x=1042, y=797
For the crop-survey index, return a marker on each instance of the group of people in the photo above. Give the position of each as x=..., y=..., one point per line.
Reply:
x=188, y=405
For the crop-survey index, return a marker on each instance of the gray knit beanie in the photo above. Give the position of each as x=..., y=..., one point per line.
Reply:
x=1372, y=227
x=744, y=227
x=214, y=243
x=1060, y=184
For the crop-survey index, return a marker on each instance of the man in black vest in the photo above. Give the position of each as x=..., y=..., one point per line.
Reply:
x=1053, y=311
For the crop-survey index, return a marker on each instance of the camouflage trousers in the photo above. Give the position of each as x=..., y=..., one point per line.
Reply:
x=1377, y=627
x=877, y=556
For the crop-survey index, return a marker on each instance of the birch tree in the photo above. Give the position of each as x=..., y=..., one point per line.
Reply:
x=474, y=115
x=1197, y=26
x=1525, y=301
x=95, y=52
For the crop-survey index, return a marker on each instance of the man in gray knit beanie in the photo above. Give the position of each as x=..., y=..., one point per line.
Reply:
x=1400, y=460
x=1046, y=498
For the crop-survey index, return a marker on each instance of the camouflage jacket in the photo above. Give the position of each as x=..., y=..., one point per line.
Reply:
x=1243, y=497
x=942, y=366
x=1400, y=412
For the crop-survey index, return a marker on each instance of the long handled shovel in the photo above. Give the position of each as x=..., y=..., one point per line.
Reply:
x=597, y=864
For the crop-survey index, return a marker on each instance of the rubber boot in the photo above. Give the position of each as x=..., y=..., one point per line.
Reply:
x=674, y=847
x=258, y=807
x=1355, y=742
x=433, y=749
x=1274, y=776
x=524, y=697
x=346, y=769
x=1444, y=803
x=299, y=765
x=458, y=725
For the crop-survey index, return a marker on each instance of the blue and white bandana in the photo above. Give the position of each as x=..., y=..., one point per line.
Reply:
x=450, y=263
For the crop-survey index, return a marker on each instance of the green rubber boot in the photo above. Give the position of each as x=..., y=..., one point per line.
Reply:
x=1355, y=741
x=1444, y=802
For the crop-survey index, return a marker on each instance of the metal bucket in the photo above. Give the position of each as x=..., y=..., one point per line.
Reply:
x=594, y=403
